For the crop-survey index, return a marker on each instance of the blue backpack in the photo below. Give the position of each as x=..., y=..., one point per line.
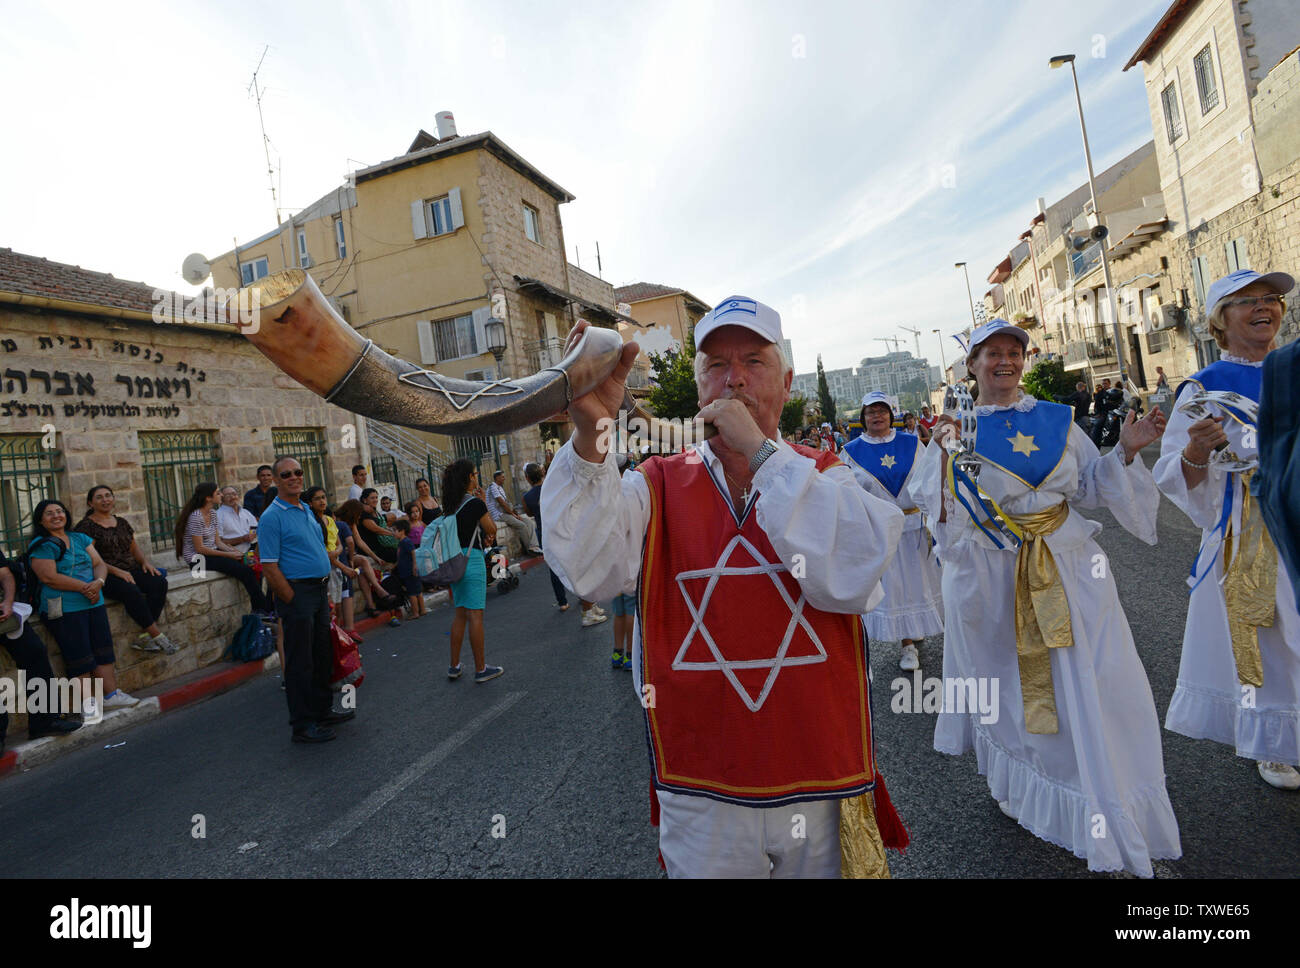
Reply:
x=253, y=640
x=440, y=556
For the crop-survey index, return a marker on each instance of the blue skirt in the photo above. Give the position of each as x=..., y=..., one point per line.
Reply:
x=471, y=590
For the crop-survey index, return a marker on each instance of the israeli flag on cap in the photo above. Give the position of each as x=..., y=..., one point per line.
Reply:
x=736, y=305
x=877, y=396
x=994, y=326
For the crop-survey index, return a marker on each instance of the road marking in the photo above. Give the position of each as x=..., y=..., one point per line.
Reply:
x=380, y=798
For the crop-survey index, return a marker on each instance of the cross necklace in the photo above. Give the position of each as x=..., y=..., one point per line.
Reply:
x=744, y=494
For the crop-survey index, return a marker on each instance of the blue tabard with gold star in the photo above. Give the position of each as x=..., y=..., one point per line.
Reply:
x=1028, y=446
x=1226, y=375
x=888, y=463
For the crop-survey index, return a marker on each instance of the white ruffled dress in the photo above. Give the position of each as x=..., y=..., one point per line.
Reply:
x=913, y=604
x=1208, y=702
x=1097, y=786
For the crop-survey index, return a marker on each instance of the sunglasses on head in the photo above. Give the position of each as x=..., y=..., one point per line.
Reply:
x=287, y=474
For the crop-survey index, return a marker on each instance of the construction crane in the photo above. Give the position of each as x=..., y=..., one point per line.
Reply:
x=889, y=340
x=916, y=334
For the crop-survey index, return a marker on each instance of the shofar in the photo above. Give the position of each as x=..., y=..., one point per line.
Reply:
x=301, y=334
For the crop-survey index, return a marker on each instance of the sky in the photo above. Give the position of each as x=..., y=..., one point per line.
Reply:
x=832, y=159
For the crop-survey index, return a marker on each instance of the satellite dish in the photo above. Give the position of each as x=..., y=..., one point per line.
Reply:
x=195, y=268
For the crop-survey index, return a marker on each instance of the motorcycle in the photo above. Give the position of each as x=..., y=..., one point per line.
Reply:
x=1115, y=419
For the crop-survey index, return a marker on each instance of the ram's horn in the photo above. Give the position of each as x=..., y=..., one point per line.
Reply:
x=285, y=316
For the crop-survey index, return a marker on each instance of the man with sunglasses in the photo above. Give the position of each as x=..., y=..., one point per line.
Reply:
x=296, y=566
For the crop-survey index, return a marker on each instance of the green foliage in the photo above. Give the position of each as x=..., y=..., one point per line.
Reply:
x=792, y=415
x=1048, y=380
x=675, y=393
x=825, y=402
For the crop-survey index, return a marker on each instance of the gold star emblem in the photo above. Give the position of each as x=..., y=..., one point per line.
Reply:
x=887, y=461
x=1022, y=444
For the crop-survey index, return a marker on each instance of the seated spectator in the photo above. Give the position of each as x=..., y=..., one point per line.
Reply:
x=132, y=578
x=388, y=512
x=358, y=482
x=196, y=538
x=236, y=526
x=505, y=516
x=374, y=528
x=259, y=498
x=360, y=557
x=72, y=577
x=29, y=654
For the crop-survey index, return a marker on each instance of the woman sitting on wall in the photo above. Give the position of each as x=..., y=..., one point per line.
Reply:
x=196, y=538
x=132, y=578
x=72, y=575
x=375, y=530
x=362, y=558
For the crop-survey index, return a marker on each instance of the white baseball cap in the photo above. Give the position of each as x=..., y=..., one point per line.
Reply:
x=877, y=396
x=992, y=328
x=1280, y=282
x=740, y=311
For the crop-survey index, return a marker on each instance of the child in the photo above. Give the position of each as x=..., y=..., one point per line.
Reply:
x=406, y=567
x=417, y=521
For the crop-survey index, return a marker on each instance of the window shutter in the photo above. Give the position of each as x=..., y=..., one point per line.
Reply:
x=457, y=213
x=551, y=332
x=427, y=352
x=481, y=316
x=417, y=220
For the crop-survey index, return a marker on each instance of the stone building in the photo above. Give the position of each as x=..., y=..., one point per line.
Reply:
x=1223, y=90
x=95, y=391
x=419, y=253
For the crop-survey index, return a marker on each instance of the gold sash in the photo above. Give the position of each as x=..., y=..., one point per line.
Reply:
x=1249, y=586
x=1042, y=615
x=862, y=850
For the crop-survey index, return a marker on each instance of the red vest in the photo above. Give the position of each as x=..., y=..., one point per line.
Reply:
x=758, y=697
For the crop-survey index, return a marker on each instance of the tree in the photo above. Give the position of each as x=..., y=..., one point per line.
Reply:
x=674, y=393
x=792, y=415
x=825, y=402
x=1048, y=380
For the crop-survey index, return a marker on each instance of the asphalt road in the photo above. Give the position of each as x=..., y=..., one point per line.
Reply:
x=543, y=772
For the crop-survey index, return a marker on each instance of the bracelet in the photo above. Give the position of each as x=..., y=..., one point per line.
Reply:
x=1192, y=463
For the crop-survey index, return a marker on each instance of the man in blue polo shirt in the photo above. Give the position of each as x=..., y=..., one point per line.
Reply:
x=296, y=566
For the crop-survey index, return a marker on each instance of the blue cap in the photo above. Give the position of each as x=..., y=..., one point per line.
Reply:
x=1233, y=281
x=992, y=328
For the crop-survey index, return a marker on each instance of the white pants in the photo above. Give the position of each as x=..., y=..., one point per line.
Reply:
x=699, y=837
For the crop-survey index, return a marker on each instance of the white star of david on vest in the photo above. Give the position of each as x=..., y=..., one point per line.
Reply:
x=726, y=666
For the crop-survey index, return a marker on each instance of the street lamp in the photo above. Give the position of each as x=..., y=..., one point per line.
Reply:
x=970, y=299
x=495, y=332
x=943, y=363
x=1060, y=61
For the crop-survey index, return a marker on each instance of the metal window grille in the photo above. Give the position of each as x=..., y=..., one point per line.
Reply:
x=28, y=475
x=454, y=338
x=306, y=445
x=174, y=464
x=1173, y=119
x=1205, y=86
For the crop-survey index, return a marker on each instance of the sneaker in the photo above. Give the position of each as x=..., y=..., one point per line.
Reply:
x=909, y=661
x=147, y=643
x=600, y=611
x=394, y=622
x=168, y=646
x=592, y=617
x=616, y=660
x=489, y=672
x=627, y=662
x=120, y=700
x=1279, y=775
x=453, y=672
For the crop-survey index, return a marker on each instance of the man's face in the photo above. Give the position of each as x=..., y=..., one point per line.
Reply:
x=229, y=496
x=386, y=504
x=499, y=479
x=1081, y=386
x=879, y=417
x=265, y=478
x=288, y=477
x=360, y=477
x=739, y=364
x=1105, y=384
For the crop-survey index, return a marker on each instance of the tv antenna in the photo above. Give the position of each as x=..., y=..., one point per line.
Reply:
x=256, y=92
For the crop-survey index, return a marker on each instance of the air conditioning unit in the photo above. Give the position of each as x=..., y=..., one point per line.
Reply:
x=1166, y=316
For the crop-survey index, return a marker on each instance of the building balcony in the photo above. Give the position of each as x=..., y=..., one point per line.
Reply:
x=544, y=352
x=1095, y=347
x=638, y=378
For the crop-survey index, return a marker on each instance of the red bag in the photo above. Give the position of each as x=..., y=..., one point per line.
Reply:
x=347, y=660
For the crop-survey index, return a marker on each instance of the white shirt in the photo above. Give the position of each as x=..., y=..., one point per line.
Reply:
x=494, y=492
x=234, y=522
x=354, y=492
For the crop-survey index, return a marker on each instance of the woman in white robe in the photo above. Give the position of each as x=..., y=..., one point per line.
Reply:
x=1096, y=784
x=885, y=462
x=1261, y=722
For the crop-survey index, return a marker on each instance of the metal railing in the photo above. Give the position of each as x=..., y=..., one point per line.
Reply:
x=27, y=477
x=639, y=376
x=542, y=353
x=401, y=457
x=174, y=464
x=1095, y=346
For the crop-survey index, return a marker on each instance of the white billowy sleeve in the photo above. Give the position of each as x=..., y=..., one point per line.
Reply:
x=846, y=538
x=595, y=524
x=1128, y=492
x=1203, y=503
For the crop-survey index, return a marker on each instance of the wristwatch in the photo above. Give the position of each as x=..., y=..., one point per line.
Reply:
x=765, y=450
